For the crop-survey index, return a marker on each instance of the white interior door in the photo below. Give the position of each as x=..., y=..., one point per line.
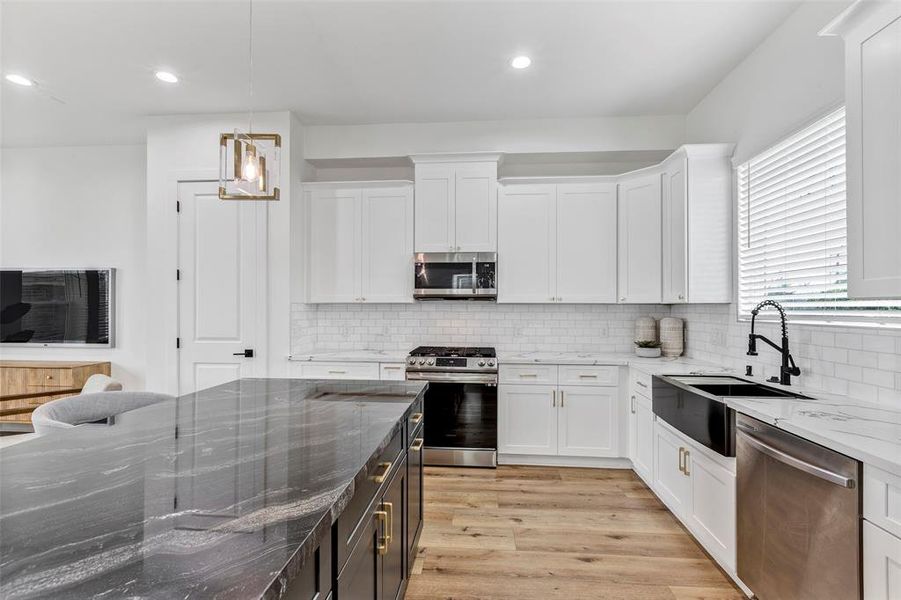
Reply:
x=586, y=242
x=221, y=288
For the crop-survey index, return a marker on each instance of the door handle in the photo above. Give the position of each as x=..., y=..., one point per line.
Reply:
x=248, y=353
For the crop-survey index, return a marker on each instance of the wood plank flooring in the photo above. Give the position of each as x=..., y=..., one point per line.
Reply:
x=518, y=533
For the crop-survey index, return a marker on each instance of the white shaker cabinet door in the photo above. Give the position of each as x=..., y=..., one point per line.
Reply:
x=881, y=564
x=527, y=419
x=435, y=220
x=675, y=211
x=712, y=517
x=586, y=243
x=671, y=483
x=526, y=240
x=639, y=239
x=475, y=203
x=873, y=97
x=335, y=245
x=387, y=241
x=641, y=437
x=586, y=421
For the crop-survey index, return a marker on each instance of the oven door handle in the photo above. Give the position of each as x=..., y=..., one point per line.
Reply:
x=486, y=378
x=793, y=461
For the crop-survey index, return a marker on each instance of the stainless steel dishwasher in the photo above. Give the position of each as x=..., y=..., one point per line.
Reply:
x=799, y=516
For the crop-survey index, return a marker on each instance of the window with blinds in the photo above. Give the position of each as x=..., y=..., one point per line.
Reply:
x=792, y=232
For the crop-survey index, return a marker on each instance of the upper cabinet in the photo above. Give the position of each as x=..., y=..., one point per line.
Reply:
x=360, y=242
x=456, y=203
x=557, y=243
x=640, y=259
x=872, y=33
x=696, y=199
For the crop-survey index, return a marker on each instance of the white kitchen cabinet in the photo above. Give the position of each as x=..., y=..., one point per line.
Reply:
x=641, y=437
x=872, y=33
x=526, y=237
x=712, y=515
x=557, y=243
x=639, y=231
x=361, y=243
x=353, y=370
x=335, y=245
x=671, y=483
x=387, y=245
x=456, y=203
x=527, y=419
x=881, y=564
x=586, y=421
x=697, y=224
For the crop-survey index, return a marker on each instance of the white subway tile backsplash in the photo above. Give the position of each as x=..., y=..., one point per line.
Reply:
x=842, y=360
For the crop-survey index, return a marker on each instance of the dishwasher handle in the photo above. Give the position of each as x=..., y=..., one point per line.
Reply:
x=793, y=461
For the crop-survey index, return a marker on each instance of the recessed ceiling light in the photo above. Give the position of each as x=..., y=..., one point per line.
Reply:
x=520, y=62
x=19, y=80
x=166, y=76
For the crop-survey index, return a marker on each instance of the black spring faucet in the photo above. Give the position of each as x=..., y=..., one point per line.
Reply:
x=788, y=363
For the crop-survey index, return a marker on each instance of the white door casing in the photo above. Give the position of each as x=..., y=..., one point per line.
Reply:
x=222, y=287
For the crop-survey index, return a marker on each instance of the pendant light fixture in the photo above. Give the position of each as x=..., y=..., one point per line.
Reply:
x=249, y=163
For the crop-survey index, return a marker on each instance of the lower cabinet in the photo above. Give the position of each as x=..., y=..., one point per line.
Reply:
x=641, y=437
x=881, y=564
x=547, y=420
x=314, y=582
x=698, y=486
x=372, y=371
x=376, y=567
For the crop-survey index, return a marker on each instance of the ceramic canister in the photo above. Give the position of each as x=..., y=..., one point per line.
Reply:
x=672, y=336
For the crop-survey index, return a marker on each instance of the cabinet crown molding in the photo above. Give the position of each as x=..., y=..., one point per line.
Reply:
x=858, y=13
x=460, y=157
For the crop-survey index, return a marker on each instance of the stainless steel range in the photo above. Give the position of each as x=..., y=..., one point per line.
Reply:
x=460, y=404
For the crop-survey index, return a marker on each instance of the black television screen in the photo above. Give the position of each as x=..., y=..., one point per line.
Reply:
x=49, y=307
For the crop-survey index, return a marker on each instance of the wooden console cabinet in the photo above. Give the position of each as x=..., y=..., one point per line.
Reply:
x=26, y=384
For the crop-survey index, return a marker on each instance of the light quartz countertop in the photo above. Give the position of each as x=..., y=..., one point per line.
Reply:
x=379, y=356
x=653, y=366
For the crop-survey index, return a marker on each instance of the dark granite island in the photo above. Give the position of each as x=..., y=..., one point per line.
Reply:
x=250, y=489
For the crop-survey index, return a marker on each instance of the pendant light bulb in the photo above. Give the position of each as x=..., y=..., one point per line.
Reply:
x=251, y=170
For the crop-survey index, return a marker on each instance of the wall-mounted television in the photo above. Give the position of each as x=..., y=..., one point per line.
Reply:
x=57, y=307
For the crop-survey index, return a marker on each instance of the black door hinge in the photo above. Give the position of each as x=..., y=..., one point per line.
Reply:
x=176, y=432
x=177, y=274
x=175, y=503
x=177, y=206
x=178, y=342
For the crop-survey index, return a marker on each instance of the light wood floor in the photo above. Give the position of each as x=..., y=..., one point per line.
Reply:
x=533, y=532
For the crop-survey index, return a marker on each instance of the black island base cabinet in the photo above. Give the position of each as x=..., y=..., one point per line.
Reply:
x=370, y=553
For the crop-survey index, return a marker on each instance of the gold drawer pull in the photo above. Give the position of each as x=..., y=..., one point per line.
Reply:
x=417, y=444
x=416, y=418
x=384, y=540
x=386, y=466
x=337, y=372
x=524, y=375
x=641, y=383
x=588, y=376
x=387, y=368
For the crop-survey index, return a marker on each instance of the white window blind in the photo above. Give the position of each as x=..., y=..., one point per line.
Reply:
x=792, y=231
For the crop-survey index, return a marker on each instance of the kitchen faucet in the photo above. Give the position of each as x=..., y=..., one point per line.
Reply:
x=788, y=363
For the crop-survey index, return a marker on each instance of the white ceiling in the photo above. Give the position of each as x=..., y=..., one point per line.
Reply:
x=363, y=62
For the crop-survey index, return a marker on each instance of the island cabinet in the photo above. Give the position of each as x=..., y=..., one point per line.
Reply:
x=376, y=536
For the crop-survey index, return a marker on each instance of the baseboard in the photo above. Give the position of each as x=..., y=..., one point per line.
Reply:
x=564, y=461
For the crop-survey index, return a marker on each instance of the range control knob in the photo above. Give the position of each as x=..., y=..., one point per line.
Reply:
x=422, y=361
x=412, y=361
x=490, y=363
x=481, y=363
x=430, y=362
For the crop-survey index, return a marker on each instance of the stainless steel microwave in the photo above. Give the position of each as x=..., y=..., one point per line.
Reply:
x=455, y=276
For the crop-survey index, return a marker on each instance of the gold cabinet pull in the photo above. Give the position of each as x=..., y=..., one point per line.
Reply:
x=416, y=418
x=562, y=397
x=632, y=404
x=582, y=376
x=337, y=372
x=417, y=444
x=389, y=507
x=386, y=466
x=553, y=397
x=687, y=471
x=682, y=460
x=383, y=540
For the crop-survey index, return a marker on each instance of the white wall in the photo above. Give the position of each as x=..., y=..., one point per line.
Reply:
x=514, y=136
x=81, y=207
x=181, y=148
x=791, y=79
